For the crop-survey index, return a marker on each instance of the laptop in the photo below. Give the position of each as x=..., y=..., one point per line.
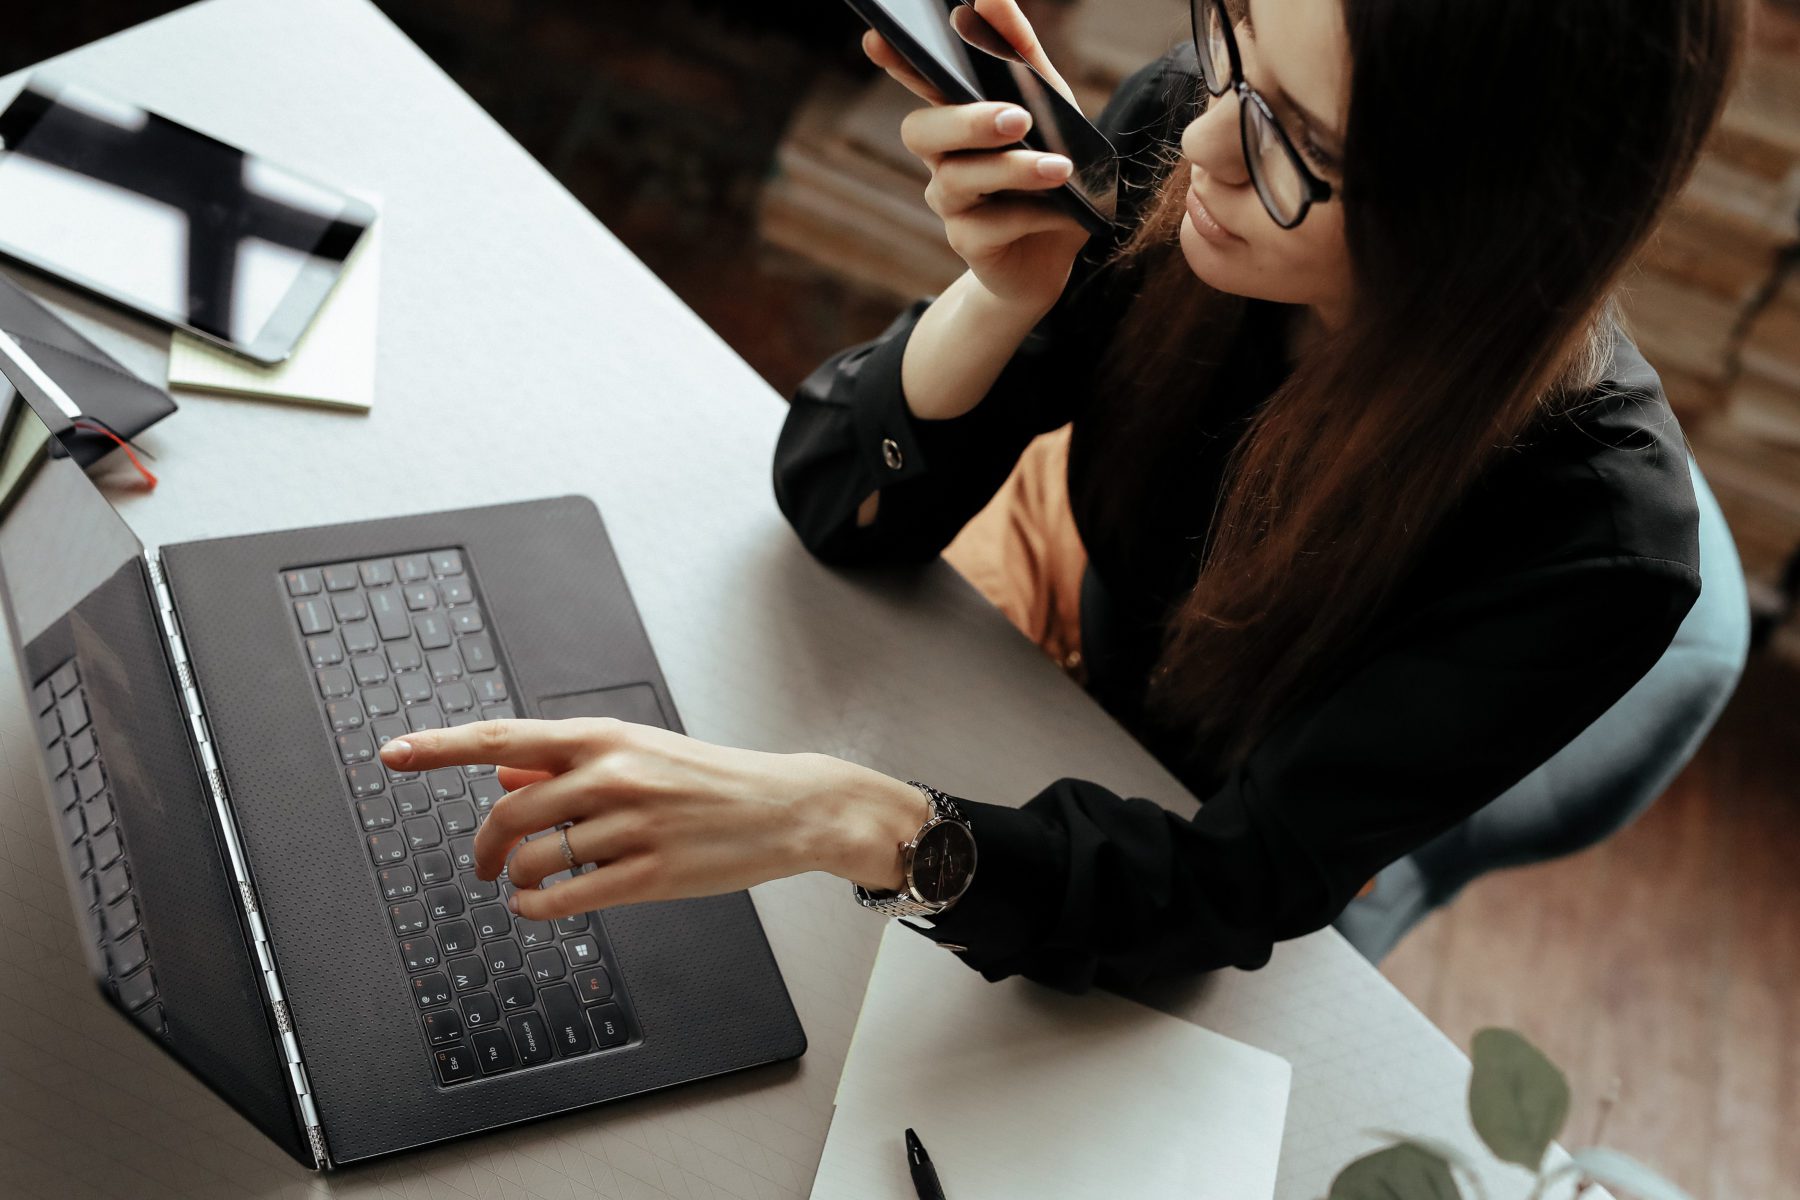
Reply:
x=299, y=927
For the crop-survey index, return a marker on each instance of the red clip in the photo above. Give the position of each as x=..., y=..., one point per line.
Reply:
x=93, y=426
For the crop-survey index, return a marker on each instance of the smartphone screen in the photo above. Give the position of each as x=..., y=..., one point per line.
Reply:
x=972, y=55
x=929, y=23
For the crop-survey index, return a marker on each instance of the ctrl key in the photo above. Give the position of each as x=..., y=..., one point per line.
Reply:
x=609, y=1026
x=455, y=1064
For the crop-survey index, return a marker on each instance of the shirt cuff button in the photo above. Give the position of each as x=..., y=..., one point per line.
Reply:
x=890, y=454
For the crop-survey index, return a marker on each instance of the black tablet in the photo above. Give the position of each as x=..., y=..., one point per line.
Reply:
x=179, y=226
x=967, y=60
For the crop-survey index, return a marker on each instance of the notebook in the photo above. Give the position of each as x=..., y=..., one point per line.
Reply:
x=334, y=364
x=1021, y=1091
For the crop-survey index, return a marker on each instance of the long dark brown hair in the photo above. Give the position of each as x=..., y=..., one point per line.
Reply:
x=1503, y=160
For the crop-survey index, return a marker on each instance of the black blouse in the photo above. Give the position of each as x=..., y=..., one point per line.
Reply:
x=1551, y=590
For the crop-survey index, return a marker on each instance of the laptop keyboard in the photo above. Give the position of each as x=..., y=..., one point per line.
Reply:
x=90, y=826
x=400, y=644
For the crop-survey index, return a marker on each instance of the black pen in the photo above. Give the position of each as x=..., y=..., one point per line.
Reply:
x=925, y=1180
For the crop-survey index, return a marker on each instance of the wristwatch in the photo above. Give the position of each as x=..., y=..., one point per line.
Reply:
x=938, y=864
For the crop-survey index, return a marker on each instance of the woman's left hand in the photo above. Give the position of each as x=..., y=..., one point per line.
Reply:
x=664, y=815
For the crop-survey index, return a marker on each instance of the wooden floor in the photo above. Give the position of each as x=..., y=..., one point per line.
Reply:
x=1667, y=959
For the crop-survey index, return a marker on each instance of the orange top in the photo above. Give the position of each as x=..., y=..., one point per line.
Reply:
x=1022, y=552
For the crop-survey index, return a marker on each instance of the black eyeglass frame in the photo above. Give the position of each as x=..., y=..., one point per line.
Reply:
x=1316, y=190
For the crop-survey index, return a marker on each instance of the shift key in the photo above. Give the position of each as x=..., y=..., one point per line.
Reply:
x=568, y=1028
x=389, y=610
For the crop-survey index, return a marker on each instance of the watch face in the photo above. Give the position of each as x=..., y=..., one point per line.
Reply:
x=943, y=863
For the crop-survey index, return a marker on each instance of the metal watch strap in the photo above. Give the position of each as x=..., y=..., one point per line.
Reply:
x=941, y=805
x=901, y=903
x=897, y=905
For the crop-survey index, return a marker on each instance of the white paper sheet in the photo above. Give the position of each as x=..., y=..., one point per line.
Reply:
x=1018, y=1090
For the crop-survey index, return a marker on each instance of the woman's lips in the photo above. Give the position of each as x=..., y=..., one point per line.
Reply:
x=1205, y=224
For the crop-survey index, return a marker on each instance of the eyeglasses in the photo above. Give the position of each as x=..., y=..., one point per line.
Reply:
x=1285, y=183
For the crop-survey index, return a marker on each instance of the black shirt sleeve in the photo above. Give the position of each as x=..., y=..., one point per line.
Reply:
x=1081, y=886
x=850, y=432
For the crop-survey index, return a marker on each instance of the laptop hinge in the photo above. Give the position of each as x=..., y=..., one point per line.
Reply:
x=239, y=864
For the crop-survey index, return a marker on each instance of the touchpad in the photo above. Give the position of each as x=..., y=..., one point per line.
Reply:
x=635, y=702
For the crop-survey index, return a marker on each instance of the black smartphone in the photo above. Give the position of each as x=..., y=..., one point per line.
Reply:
x=967, y=60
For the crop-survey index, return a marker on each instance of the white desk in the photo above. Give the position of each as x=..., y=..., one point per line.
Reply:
x=525, y=352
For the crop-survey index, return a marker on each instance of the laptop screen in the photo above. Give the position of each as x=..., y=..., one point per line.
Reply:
x=59, y=538
x=75, y=593
x=127, y=802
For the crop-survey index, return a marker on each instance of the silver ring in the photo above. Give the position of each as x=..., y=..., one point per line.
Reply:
x=562, y=837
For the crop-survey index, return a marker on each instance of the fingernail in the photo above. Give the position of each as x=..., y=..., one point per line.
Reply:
x=1012, y=122
x=1054, y=166
x=396, y=751
x=512, y=905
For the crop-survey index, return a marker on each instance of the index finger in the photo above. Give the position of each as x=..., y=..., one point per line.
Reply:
x=531, y=745
x=1010, y=23
x=883, y=55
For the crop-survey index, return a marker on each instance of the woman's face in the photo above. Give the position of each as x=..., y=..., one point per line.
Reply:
x=1297, y=57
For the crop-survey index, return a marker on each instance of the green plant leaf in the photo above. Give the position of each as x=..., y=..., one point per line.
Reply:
x=1403, y=1172
x=1626, y=1173
x=1455, y=1157
x=1518, y=1099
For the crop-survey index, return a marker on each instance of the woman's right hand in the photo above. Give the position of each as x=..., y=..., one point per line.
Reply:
x=1019, y=248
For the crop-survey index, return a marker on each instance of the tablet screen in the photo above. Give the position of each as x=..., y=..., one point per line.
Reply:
x=178, y=225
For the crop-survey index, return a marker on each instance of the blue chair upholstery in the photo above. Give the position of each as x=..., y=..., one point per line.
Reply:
x=1601, y=781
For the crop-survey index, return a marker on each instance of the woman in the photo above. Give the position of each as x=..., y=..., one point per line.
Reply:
x=1379, y=506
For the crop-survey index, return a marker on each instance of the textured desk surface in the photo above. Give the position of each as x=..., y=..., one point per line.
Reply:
x=525, y=352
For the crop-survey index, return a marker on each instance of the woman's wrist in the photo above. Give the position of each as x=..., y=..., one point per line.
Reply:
x=1014, y=314
x=854, y=821
x=960, y=345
